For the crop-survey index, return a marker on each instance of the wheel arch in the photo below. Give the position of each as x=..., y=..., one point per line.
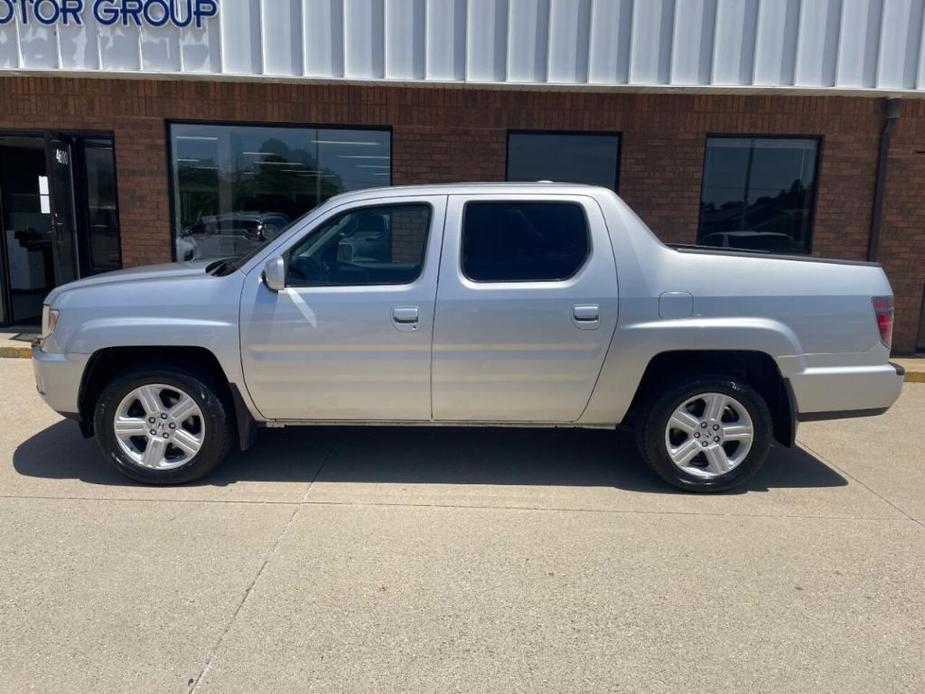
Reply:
x=758, y=369
x=105, y=364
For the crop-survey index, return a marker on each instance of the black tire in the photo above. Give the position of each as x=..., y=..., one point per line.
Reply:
x=216, y=412
x=651, y=433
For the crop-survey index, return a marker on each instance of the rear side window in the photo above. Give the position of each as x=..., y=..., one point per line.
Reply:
x=523, y=241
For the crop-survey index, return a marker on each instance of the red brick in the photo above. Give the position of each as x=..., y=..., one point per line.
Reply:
x=459, y=134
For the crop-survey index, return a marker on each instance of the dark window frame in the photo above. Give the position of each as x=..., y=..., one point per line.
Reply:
x=254, y=124
x=589, y=247
x=599, y=133
x=286, y=254
x=920, y=338
x=820, y=142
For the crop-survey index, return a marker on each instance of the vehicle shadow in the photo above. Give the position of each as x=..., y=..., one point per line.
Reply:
x=419, y=455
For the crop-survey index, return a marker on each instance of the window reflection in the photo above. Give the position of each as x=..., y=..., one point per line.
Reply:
x=564, y=157
x=758, y=193
x=372, y=245
x=236, y=187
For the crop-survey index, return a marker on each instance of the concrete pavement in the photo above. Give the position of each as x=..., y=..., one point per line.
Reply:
x=343, y=559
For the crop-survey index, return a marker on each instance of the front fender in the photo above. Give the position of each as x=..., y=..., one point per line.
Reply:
x=147, y=331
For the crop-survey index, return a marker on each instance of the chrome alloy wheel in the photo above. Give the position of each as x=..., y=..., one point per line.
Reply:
x=159, y=426
x=709, y=434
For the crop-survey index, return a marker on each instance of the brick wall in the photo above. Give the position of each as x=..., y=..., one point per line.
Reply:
x=902, y=245
x=457, y=134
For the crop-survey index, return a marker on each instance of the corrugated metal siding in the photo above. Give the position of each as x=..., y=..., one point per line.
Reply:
x=840, y=44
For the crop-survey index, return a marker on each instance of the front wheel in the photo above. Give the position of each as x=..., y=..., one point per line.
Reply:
x=162, y=426
x=706, y=434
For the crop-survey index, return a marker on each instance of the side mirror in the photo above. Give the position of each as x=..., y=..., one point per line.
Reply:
x=274, y=274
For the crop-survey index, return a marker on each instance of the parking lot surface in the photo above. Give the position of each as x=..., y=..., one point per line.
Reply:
x=442, y=560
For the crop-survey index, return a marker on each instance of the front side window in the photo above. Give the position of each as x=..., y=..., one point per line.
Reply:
x=565, y=157
x=523, y=241
x=237, y=187
x=758, y=193
x=365, y=246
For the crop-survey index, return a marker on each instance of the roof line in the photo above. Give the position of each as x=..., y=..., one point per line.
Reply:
x=723, y=89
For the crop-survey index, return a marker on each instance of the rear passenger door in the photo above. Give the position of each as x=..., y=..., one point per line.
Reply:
x=526, y=308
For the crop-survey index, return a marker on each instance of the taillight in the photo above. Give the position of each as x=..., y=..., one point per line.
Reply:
x=883, y=309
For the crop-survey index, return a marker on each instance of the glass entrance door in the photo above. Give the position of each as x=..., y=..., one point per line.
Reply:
x=28, y=266
x=58, y=217
x=59, y=155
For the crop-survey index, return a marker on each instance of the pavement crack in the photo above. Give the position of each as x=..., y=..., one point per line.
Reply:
x=118, y=499
x=605, y=511
x=862, y=483
x=271, y=551
x=324, y=462
x=306, y=501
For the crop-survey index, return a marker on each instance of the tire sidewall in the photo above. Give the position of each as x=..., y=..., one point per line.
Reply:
x=214, y=412
x=653, y=439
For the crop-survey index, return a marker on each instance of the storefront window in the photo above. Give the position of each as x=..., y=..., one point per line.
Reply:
x=758, y=193
x=564, y=157
x=236, y=187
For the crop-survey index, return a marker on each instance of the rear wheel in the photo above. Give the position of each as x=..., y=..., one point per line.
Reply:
x=706, y=434
x=162, y=426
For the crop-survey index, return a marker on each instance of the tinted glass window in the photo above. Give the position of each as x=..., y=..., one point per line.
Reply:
x=236, y=187
x=523, y=241
x=102, y=212
x=568, y=158
x=758, y=193
x=371, y=245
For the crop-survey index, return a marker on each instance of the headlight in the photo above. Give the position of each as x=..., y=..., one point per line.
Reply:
x=49, y=321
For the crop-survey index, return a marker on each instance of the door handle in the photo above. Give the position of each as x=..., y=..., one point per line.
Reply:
x=405, y=317
x=586, y=316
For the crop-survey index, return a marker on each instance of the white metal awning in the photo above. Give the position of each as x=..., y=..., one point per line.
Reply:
x=840, y=45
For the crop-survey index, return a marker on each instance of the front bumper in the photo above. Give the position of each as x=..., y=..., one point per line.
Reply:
x=58, y=378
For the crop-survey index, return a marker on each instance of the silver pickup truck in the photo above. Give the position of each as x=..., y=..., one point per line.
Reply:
x=491, y=304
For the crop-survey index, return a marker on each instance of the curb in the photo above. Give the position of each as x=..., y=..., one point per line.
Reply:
x=15, y=352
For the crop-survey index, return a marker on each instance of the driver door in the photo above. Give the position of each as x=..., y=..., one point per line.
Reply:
x=349, y=338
